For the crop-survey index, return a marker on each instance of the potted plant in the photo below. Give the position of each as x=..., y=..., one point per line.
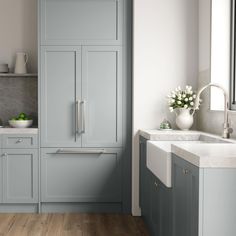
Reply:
x=182, y=101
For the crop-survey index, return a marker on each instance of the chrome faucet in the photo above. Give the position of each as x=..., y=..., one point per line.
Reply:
x=226, y=130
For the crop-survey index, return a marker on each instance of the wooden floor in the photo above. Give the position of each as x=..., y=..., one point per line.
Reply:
x=71, y=225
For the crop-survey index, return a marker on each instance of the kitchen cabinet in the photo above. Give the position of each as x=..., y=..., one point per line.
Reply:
x=81, y=96
x=19, y=141
x=203, y=200
x=185, y=179
x=20, y=175
x=90, y=22
x=160, y=209
x=1, y=179
x=144, y=192
x=78, y=175
x=60, y=92
x=155, y=201
x=102, y=96
x=85, y=86
x=19, y=170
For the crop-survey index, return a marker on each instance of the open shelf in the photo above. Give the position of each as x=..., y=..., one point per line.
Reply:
x=17, y=75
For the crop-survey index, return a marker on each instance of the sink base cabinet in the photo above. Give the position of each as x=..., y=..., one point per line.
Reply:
x=155, y=199
x=78, y=177
x=203, y=200
x=185, y=179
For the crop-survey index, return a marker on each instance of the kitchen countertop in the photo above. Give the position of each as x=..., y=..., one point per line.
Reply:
x=207, y=155
x=8, y=130
x=177, y=135
x=203, y=155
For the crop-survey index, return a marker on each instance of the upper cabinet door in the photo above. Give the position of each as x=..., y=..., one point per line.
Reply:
x=102, y=96
x=77, y=22
x=60, y=76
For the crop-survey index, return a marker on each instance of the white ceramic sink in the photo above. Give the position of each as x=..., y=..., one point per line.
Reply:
x=159, y=154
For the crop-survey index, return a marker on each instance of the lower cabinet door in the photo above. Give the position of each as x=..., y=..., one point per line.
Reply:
x=155, y=208
x=185, y=197
x=80, y=175
x=160, y=208
x=1, y=181
x=20, y=175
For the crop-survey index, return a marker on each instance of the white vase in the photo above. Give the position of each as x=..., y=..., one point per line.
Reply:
x=184, y=118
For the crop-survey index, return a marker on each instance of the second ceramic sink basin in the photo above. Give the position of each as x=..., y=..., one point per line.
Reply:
x=159, y=154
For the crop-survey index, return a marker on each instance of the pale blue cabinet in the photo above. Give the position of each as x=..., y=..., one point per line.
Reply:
x=78, y=175
x=60, y=90
x=81, y=96
x=84, y=98
x=19, y=175
x=19, y=141
x=102, y=96
x=80, y=22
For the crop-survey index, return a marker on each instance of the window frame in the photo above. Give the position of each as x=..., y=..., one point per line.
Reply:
x=232, y=105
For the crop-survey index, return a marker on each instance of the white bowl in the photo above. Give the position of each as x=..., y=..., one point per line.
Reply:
x=20, y=123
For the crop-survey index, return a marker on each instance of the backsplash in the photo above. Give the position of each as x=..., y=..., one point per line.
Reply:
x=18, y=95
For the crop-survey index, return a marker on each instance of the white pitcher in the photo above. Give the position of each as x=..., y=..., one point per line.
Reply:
x=184, y=118
x=21, y=61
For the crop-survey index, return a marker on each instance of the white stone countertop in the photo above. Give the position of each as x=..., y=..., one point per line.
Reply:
x=177, y=135
x=9, y=130
x=207, y=155
x=201, y=154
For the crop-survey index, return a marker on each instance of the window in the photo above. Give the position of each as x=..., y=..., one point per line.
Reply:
x=220, y=50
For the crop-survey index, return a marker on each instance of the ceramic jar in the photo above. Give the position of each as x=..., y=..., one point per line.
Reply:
x=184, y=118
x=21, y=61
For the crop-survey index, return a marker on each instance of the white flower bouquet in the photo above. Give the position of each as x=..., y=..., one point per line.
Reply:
x=181, y=98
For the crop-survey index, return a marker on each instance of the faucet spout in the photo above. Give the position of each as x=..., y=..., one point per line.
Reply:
x=226, y=129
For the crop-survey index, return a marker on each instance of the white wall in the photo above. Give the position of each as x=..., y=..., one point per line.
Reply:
x=165, y=56
x=209, y=121
x=18, y=31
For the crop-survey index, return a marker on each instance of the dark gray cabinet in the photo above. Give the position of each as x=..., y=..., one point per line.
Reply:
x=1, y=180
x=203, y=200
x=20, y=175
x=185, y=179
x=155, y=199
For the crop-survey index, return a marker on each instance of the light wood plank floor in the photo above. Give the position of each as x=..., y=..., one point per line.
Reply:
x=71, y=225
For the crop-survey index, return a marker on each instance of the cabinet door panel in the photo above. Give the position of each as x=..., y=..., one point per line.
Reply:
x=60, y=74
x=20, y=175
x=73, y=22
x=185, y=198
x=155, y=209
x=1, y=180
x=102, y=93
x=81, y=177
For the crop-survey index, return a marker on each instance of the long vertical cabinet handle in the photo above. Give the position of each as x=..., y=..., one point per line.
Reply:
x=77, y=117
x=83, y=117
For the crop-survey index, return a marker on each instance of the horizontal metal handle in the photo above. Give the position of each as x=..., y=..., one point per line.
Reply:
x=74, y=151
